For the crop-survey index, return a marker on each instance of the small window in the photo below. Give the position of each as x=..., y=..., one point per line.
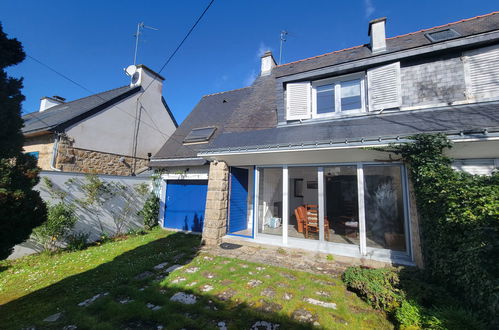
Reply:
x=442, y=35
x=334, y=96
x=200, y=134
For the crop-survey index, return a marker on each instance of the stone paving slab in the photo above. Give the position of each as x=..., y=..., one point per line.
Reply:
x=292, y=258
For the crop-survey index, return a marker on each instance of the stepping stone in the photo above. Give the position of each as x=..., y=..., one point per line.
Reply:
x=206, y=288
x=303, y=315
x=221, y=325
x=142, y=289
x=184, y=298
x=70, y=327
x=172, y=268
x=178, y=280
x=192, y=283
x=160, y=266
x=208, y=258
x=87, y=302
x=209, y=275
x=192, y=270
x=322, y=293
x=264, y=325
x=53, y=318
x=144, y=275
x=227, y=294
x=289, y=276
x=320, y=303
x=283, y=285
x=243, y=266
x=153, y=307
x=125, y=300
x=260, y=268
x=254, y=283
x=287, y=296
x=268, y=292
x=267, y=276
x=268, y=306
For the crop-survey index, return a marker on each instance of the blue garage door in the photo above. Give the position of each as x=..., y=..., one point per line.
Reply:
x=238, y=203
x=185, y=204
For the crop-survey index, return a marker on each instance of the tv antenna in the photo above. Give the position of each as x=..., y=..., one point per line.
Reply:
x=140, y=26
x=284, y=33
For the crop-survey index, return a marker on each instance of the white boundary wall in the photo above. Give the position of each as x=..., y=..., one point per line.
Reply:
x=92, y=220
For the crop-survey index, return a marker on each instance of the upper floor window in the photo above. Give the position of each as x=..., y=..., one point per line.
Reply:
x=379, y=89
x=333, y=96
x=481, y=67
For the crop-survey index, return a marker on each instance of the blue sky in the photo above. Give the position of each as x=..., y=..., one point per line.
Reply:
x=92, y=41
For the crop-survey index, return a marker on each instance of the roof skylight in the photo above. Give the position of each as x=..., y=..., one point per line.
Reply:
x=200, y=134
x=442, y=35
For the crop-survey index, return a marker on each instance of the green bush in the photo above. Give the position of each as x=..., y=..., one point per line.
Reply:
x=452, y=318
x=376, y=286
x=61, y=219
x=408, y=315
x=459, y=223
x=150, y=211
x=77, y=241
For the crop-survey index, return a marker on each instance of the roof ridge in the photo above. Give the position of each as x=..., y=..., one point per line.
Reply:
x=232, y=90
x=402, y=35
x=81, y=98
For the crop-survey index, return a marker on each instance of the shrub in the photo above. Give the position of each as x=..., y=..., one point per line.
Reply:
x=459, y=223
x=376, y=286
x=77, y=241
x=408, y=315
x=61, y=219
x=150, y=211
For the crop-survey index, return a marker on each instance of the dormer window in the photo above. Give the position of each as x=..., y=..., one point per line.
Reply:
x=334, y=96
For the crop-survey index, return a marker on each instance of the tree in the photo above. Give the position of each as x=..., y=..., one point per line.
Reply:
x=21, y=207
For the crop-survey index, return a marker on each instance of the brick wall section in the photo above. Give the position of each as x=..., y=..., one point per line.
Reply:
x=70, y=159
x=44, y=145
x=433, y=80
x=215, y=216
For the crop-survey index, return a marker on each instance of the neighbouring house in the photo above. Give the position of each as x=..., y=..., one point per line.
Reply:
x=286, y=161
x=113, y=132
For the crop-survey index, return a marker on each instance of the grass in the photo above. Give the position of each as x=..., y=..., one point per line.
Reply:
x=35, y=287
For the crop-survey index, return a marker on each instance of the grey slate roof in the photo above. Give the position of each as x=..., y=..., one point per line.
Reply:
x=449, y=119
x=467, y=27
x=63, y=115
x=250, y=108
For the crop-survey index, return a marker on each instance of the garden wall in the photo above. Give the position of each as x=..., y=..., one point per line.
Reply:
x=112, y=213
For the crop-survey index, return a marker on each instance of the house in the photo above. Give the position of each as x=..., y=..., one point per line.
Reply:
x=113, y=132
x=286, y=161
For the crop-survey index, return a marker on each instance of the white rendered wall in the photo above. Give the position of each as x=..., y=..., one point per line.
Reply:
x=112, y=130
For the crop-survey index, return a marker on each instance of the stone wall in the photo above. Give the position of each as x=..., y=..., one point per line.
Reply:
x=215, y=216
x=71, y=159
x=44, y=145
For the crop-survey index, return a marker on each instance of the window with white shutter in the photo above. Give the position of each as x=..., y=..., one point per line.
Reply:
x=482, y=72
x=298, y=101
x=383, y=85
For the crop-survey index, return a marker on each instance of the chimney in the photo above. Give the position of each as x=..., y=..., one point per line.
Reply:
x=377, y=33
x=49, y=102
x=268, y=63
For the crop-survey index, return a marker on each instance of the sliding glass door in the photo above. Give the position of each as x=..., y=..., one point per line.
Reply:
x=357, y=205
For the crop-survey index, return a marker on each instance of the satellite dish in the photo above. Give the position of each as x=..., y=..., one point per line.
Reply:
x=130, y=70
x=135, y=78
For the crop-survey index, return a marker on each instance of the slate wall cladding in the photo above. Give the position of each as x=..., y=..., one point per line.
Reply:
x=215, y=216
x=433, y=81
x=70, y=159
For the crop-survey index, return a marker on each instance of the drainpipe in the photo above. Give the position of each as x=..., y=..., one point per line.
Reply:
x=54, y=154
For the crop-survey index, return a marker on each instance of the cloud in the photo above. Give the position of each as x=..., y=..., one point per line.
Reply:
x=368, y=8
x=262, y=49
x=250, y=78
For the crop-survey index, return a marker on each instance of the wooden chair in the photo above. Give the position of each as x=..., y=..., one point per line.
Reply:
x=308, y=214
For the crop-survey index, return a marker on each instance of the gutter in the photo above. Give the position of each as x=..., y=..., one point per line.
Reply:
x=54, y=154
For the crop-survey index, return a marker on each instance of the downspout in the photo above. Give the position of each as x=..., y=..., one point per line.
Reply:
x=54, y=154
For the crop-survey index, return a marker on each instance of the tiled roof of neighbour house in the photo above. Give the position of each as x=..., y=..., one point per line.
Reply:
x=250, y=108
x=66, y=114
x=466, y=27
x=448, y=119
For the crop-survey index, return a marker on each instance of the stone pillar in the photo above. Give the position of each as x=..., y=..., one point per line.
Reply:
x=215, y=216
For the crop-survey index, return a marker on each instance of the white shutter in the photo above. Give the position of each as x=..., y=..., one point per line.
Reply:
x=298, y=101
x=384, y=89
x=482, y=72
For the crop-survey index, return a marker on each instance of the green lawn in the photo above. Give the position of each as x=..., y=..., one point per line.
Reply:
x=231, y=291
